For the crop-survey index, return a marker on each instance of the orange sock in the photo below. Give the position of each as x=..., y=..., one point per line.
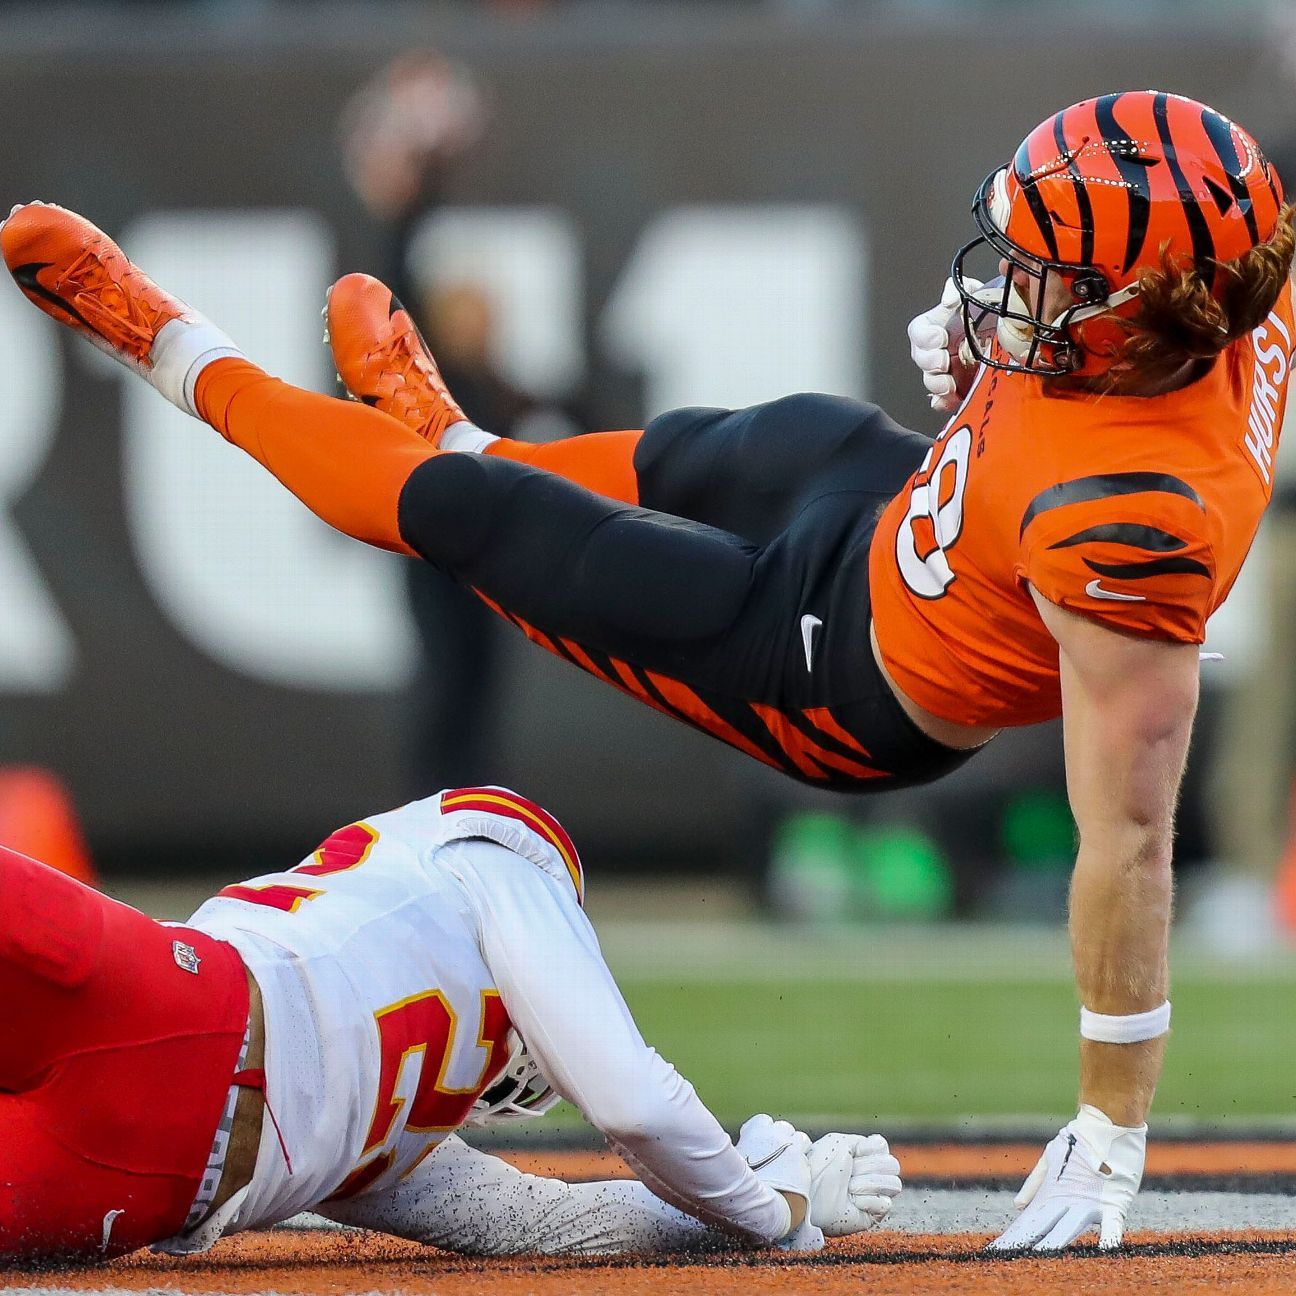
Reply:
x=602, y=462
x=346, y=462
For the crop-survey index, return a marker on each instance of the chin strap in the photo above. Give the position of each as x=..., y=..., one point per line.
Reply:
x=1079, y=314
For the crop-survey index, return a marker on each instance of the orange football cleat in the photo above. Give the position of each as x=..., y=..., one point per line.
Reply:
x=382, y=359
x=77, y=275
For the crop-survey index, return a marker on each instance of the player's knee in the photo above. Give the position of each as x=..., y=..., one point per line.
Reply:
x=454, y=507
x=51, y=927
x=666, y=430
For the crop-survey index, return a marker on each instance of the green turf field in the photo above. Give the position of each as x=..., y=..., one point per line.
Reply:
x=986, y=1027
x=938, y=1050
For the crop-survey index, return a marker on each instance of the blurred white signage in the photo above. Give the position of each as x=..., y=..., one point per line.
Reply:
x=37, y=653
x=717, y=305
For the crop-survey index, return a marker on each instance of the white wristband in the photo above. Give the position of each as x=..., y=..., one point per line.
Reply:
x=1131, y=1029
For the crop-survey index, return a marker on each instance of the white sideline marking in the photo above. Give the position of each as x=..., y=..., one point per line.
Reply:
x=973, y=1210
x=967, y=1210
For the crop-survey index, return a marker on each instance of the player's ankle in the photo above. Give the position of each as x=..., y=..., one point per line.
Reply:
x=182, y=350
x=466, y=438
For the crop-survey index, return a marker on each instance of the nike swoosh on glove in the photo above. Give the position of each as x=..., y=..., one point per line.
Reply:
x=1087, y=1177
x=777, y=1153
x=931, y=337
x=855, y=1178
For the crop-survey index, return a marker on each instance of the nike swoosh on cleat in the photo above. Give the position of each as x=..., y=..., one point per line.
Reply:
x=1095, y=590
x=809, y=624
x=25, y=278
x=773, y=1156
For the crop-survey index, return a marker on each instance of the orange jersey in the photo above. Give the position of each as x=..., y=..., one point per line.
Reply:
x=1135, y=511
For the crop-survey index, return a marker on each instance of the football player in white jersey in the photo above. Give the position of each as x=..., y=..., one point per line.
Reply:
x=425, y=969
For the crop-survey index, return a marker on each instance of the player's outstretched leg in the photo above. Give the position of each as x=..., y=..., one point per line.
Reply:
x=382, y=360
x=747, y=471
x=346, y=462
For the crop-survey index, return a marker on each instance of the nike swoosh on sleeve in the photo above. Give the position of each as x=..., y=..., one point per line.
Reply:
x=1095, y=590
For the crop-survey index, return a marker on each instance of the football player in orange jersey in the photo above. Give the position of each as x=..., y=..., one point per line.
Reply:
x=837, y=596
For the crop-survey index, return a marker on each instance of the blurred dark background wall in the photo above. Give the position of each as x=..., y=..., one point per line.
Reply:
x=216, y=686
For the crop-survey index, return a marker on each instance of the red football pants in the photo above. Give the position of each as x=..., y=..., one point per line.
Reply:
x=115, y=1063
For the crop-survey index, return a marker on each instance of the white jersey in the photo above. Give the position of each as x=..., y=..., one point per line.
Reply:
x=393, y=965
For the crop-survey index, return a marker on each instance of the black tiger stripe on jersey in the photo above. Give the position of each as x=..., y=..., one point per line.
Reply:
x=1133, y=170
x=1203, y=243
x=1134, y=534
x=1082, y=490
x=1153, y=567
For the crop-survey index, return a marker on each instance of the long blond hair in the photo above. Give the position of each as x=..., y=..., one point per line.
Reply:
x=1193, y=313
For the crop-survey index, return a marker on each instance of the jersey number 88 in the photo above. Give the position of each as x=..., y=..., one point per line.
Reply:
x=935, y=517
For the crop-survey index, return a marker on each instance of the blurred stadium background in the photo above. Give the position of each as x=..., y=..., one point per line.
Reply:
x=600, y=210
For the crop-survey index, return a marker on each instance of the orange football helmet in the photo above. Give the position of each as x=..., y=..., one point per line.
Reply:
x=1095, y=195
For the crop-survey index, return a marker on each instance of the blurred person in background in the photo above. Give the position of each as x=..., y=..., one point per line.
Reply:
x=1057, y=550
x=402, y=135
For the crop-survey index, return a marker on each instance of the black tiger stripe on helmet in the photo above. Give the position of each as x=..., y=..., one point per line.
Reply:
x=1133, y=168
x=1203, y=243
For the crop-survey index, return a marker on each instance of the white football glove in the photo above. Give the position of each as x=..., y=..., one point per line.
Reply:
x=1087, y=1177
x=930, y=342
x=854, y=1180
x=778, y=1155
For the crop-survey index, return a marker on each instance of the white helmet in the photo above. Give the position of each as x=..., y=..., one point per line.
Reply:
x=521, y=1092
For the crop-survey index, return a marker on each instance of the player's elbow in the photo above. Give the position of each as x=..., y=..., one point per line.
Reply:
x=645, y=1112
x=632, y=1119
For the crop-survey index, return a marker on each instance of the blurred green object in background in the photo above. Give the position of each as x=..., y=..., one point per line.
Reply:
x=900, y=872
x=1037, y=830
x=811, y=867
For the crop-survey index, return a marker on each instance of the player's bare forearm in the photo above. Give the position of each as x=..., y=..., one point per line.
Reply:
x=1128, y=706
x=1120, y=920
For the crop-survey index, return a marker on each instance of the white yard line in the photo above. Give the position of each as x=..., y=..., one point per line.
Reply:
x=985, y=1210
x=963, y=1210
